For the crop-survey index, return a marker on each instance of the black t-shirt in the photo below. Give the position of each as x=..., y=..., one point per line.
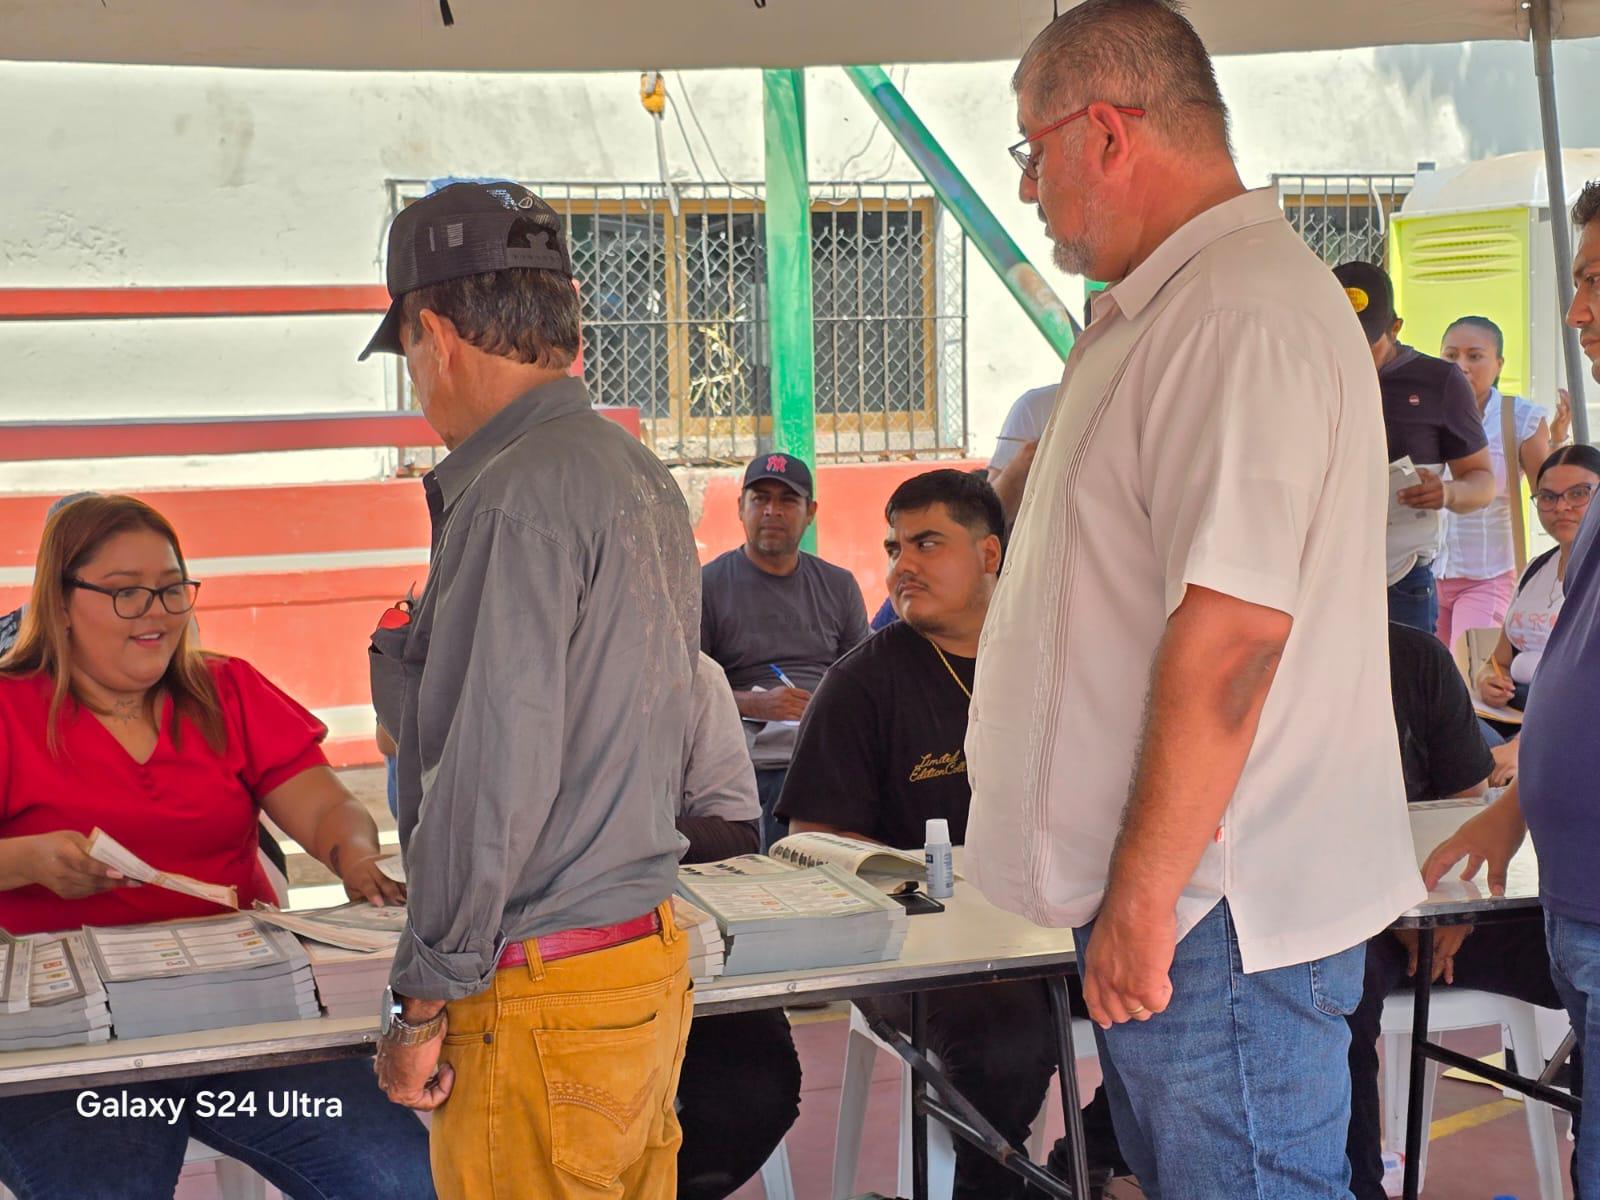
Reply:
x=1442, y=751
x=1429, y=411
x=882, y=746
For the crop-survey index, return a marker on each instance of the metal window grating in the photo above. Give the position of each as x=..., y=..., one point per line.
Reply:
x=1343, y=216
x=675, y=315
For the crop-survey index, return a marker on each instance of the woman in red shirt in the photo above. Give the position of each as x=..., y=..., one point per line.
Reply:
x=111, y=717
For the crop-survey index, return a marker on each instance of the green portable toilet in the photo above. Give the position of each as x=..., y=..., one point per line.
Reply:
x=1476, y=239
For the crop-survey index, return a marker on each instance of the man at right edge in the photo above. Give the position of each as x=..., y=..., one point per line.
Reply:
x=1181, y=742
x=1554, y=794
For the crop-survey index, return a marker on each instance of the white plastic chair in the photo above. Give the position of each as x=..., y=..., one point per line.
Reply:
x=776, y=1178
x=861, y=1049
x=1451, y=1009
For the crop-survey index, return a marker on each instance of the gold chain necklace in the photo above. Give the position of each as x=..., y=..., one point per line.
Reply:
x=965, y=690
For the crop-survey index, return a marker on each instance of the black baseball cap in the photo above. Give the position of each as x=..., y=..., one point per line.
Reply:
x=465, y=229
x=1371, y=295
x=785, y=468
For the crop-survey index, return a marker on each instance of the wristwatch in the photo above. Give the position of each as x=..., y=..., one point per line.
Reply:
x=395, y=1029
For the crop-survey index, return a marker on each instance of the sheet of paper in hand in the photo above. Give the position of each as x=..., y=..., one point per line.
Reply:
x=105, y=848
x=1411, y=531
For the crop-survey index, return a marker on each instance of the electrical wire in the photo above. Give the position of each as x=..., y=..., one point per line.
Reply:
x=688, y=101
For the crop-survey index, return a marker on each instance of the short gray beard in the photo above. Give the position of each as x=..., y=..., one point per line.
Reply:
x=1075, y=256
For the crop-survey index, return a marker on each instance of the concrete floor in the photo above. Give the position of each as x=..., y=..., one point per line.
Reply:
x=1479, y=1146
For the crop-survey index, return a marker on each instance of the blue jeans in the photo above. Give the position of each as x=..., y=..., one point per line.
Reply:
x=392, y=767
x=373, y=1150
x=1575, y=970
x=1414, y=599
x=769, y=785
x=1240, y=1089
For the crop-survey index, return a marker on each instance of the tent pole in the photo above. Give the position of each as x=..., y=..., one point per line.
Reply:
x=788, y=229
x=1560, y=227
x=1019, y=275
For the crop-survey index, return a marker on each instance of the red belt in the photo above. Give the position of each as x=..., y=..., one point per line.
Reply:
x=570, y=942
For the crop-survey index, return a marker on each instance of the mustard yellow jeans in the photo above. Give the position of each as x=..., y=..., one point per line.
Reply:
x=565, y=1076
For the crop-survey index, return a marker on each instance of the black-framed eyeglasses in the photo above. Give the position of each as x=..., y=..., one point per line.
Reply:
x=1576, y=496
x=132, y=602
x=1027, y=158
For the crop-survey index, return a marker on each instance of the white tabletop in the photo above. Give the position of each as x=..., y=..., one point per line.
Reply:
x=970, y=942
x=1456, y=899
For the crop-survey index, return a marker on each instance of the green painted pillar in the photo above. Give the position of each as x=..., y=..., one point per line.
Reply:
x=788, y=226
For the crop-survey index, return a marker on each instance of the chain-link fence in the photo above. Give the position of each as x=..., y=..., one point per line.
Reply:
x=1343, y=217
x=675, y=310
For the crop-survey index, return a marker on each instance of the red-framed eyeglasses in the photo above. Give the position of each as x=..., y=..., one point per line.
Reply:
x=1028, y=160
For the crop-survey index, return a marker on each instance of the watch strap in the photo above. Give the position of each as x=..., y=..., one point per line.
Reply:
x=403, y=1033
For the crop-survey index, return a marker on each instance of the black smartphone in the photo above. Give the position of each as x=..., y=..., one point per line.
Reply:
x=917, y=902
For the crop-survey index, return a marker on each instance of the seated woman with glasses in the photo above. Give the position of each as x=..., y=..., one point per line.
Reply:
x=109, y=717
x=1562, y=491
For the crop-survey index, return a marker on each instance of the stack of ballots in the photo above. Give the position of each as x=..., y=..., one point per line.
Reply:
x=209, y=973
x=351, y=948
x=707, y=950
x=350, y=983
x=66, y=1003
x=775, y=917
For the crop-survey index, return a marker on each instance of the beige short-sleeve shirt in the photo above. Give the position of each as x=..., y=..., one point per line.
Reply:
x=1219, y=425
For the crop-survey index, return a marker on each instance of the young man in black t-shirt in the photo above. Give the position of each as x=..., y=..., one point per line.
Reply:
x=1430, y=414
x=1442, y=754
x=882, y=749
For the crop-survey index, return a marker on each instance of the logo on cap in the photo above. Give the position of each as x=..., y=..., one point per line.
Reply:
x=777, y=462
x=1358, y=299
x=1414, y=400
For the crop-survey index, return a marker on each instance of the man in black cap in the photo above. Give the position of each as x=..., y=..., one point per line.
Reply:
x=545, y=690
x=776, y=618
x=1431, y=417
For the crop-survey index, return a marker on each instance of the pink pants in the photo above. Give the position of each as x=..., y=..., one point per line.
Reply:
x=1473, y=604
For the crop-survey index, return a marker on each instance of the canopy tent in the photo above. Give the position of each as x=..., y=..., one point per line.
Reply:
x=571, y=35
x=557, y=35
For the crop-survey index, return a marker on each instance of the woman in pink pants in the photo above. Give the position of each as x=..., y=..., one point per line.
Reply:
x=1477, y=567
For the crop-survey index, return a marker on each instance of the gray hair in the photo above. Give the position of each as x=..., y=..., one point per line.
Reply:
x=1139, y=53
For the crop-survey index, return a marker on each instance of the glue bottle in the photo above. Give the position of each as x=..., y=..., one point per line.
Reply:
x=940, y=861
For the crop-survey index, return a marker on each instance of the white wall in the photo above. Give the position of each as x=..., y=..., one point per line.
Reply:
x=163, y=176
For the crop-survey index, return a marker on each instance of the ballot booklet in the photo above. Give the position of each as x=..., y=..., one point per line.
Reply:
x=16, y=956
x=358, y=925
x=707, y=950
x=106, y=849
x=884, y=867
x=774, y=916
x=66, y=1001
x=207, y=973
x=350, y=983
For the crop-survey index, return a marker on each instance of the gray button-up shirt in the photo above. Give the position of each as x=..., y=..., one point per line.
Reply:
x=547, y=676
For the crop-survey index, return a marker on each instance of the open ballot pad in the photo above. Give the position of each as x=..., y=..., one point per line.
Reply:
x=774, y=917
x=106, y=849
x=359, y=926
x=884, y=867
x=208, y=973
